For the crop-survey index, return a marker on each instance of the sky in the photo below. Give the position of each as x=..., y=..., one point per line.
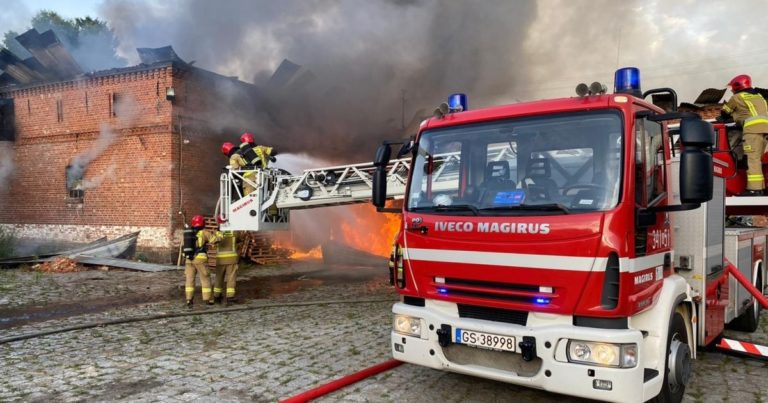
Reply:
x=685, y=44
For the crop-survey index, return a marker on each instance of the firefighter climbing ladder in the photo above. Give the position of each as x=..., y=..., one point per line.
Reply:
x=277, y=192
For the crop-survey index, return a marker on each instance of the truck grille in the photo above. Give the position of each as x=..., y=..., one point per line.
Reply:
x=493, y=314
x=491, y=290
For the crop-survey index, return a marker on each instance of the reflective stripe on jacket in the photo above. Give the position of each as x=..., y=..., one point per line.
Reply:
x=227, y=249
x=749, y=110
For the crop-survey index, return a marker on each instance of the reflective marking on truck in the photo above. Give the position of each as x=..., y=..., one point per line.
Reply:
x=551, y=262
x=642, y=263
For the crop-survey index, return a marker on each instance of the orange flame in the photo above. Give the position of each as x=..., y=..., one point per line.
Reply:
x=314, y=253
x=369, y=230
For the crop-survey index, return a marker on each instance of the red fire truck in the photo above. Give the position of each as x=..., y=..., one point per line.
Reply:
x=575, y=245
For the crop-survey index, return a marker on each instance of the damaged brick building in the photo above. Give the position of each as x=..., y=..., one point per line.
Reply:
x=111, y=152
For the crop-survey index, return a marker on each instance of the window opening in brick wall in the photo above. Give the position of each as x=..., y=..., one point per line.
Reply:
x=7, y=117
x=59, y=111
x=86, y=101
x=29, y=108
x=74, y=180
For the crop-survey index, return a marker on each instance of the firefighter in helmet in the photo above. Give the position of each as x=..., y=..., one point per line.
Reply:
x=237, y=162
x=197, y=260
x=226, y=268
x=256, y=155
x=750, y=111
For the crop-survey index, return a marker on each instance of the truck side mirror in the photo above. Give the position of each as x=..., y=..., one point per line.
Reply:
x=696, y=133
x=379, y=187
x=696, y=169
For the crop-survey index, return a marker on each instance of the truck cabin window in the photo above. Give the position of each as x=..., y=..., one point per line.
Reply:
x=566, y=163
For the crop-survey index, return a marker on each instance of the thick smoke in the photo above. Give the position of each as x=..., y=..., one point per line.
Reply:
x=362, y=57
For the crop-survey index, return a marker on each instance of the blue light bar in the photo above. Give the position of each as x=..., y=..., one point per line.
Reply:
x=627, y=81
x=541, y=301
x=442, y=291
x=457, y=102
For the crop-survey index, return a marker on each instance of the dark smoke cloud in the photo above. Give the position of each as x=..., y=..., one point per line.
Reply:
x=361, y=55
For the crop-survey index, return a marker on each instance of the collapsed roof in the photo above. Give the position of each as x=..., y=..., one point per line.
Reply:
x=51, y=61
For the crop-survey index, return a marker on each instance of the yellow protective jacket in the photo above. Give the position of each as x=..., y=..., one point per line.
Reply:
x=749, y=110
x=236, y=161
x=203, y=238
x=227, y=249
x=263, y=153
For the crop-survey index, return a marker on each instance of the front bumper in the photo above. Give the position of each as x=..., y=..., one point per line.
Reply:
x=549, y=370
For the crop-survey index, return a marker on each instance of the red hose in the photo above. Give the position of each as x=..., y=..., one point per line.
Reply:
x=337, y=384
x=758, y=294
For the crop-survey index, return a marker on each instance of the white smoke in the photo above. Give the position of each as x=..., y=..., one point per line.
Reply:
x=6, y=164
x=126, y=110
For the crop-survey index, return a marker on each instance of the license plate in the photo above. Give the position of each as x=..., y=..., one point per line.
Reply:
x=485, y=340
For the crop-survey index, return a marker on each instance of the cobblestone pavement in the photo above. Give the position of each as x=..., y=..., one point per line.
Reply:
x=262, y=354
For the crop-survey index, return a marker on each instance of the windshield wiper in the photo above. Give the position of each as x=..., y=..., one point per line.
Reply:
x=531, y=207
x=453, y=207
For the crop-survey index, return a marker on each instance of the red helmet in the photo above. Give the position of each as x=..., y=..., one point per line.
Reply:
x=246, y=138
x=227, y=148
x=740, y=82
x=198, y=221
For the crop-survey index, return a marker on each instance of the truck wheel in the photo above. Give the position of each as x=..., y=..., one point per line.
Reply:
x=678, y=365
x=748, y=321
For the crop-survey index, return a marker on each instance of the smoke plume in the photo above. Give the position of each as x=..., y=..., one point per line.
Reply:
x=365, y=60
x=6, y=164
x=125, y=109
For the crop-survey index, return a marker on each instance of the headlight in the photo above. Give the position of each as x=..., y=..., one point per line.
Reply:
x=407, y=325
x=604, y=354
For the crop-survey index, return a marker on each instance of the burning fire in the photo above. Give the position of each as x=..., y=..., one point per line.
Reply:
x=314, y=253
x=369, y=231
x=356, y=226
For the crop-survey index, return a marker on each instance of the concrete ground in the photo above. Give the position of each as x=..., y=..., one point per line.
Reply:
x=256, y=355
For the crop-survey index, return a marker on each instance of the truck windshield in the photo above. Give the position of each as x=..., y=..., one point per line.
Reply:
x=554, y=164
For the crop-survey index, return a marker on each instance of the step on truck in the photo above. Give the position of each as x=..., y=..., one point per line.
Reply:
x=574, y=245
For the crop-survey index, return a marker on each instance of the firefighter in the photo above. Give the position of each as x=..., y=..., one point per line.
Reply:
x=237, y=162
x=226, y=268
x=256, y=155
x=198, y=263
x=750, y=111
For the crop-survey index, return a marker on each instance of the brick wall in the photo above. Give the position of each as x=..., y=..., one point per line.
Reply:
x=163, y=157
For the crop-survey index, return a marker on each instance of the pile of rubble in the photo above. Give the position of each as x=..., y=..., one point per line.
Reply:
x=60, y=265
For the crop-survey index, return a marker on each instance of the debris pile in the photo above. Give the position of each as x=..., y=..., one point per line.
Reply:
x=59, y=265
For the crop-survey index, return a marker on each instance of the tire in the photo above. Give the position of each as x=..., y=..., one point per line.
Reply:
x=673, y=387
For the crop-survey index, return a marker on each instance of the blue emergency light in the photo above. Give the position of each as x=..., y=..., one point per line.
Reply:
x=541, y=301
x=457, y=102
x=627, y=81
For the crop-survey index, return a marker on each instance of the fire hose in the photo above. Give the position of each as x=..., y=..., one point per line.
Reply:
x=346, y=380
x=145, y=318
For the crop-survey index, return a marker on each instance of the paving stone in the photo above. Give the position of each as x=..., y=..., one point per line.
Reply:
x=269, y=353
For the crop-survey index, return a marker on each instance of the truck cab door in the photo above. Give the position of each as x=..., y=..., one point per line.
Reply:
x=652, y=154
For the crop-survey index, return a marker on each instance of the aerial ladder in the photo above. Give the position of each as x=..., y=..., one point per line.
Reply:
x=277, y=192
